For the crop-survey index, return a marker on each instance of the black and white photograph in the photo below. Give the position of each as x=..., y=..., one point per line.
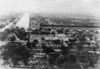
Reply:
x=49, y=34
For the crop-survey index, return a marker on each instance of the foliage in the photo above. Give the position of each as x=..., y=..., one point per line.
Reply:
x=15, y=52
x=73, y=53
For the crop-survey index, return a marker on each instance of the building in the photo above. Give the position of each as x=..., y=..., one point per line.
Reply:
x=35, y=24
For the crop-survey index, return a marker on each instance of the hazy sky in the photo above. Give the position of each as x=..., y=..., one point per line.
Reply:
x=51, y=6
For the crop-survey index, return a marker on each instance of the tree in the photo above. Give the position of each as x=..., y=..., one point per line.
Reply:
x=15, y=52
x=21, y=34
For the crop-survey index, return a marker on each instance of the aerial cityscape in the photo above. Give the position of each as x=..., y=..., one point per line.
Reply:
x=49, y=42
x=49, y=34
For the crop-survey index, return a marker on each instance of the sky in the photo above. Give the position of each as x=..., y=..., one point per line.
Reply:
x=51, y=6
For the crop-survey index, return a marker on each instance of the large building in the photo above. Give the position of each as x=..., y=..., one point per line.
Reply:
x=34, y=24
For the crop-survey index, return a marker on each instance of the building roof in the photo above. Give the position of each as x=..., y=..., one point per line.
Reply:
x=61, y=35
